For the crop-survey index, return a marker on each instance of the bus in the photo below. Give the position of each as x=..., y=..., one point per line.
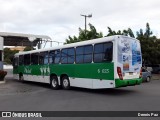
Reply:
x=109, y=62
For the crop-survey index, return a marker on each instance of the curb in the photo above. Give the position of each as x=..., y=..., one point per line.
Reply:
x=4, y=81
x=155, y=76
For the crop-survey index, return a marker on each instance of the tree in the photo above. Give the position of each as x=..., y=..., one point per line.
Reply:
x=150, y=46
x=130, y=33
x=127, y=32
x=28, y=48
x=85, y=35
x=8, y=55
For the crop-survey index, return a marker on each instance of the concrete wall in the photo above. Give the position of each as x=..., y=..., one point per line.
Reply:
x=1, y=48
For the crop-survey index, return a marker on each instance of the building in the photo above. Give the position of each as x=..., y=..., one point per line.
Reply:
x=19, y=48
x=19, y=39
x=1, y=52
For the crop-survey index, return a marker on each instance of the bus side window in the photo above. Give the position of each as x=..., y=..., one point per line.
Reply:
x=21, y=60
x=57, y=56
x=103, y=52
x=88, y=50
x=15, y=62
x=51, y=57
x=43, y=57
x=71, y=55
x=64, y=56
x=54, y=57
x=84, y=54
x=67, y=56
x=0, y=55
x=27, y=59
x=34, y=58
x=108, y=51
x=79, y=54
x=98, y=52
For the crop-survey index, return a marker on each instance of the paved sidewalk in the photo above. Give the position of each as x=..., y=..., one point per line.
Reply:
x=155, y=76
x=2, y=81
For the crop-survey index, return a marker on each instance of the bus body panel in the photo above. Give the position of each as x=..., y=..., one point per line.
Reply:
x=98, y=75
x=129, y=59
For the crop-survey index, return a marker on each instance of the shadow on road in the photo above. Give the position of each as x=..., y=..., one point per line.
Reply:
x=109, y=91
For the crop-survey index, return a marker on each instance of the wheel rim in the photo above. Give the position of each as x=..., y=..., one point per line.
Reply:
x=54, y=83
x=148, y=79
x=65, y=83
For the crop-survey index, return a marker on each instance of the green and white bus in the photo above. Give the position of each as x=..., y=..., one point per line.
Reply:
x=108, y=62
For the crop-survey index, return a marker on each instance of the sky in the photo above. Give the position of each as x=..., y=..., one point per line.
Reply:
x=61, y=18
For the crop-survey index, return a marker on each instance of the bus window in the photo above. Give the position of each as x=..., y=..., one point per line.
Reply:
x=0, y=55
x=84, y=54
x=27, y=59
x=88, y=50
x=108, y=51
x=103, y=52
x=51, y=57
x=21, y=60
x=67, y=56
x=34, y=58
x=64, y=56
x=79, y=54
x=15, y=62
x=57, y=56
x=54, y=57
x=43, y=58
x=71, y=54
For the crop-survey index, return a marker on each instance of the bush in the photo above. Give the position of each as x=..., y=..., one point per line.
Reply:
x=2, y=74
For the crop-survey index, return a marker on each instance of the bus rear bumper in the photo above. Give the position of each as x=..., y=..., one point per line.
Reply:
x=127, y=82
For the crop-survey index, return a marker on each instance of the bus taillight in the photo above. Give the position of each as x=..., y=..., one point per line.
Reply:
x=119, y=73
x=140, y=76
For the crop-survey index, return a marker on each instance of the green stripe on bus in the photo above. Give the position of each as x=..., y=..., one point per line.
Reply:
x=103, y=71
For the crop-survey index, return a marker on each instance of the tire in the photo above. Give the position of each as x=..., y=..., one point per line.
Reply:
x=148, y=79
x=54, y=82
x=65, y=83
x=21, y=78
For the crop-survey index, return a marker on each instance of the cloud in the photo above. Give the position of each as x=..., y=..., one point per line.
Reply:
x=61, y=18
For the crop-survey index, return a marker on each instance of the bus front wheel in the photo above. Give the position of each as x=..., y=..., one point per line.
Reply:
x=54, y=82
x=21, y=77
x=65, y=83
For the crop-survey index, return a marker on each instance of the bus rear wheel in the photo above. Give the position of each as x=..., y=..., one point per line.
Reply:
x=65, y=83
x=54, y=82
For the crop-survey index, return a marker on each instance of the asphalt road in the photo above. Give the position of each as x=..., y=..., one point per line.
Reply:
x=30, y=96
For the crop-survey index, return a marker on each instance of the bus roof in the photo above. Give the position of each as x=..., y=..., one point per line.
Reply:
x=87, y=42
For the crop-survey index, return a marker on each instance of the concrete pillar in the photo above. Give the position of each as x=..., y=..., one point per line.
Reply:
x=1, y=53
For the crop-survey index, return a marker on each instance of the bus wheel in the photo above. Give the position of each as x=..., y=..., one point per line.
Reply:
x=54, y=82
x=21, y=78
x=65, y=83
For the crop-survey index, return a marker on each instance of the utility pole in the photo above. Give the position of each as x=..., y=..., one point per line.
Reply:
x=85, y=16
